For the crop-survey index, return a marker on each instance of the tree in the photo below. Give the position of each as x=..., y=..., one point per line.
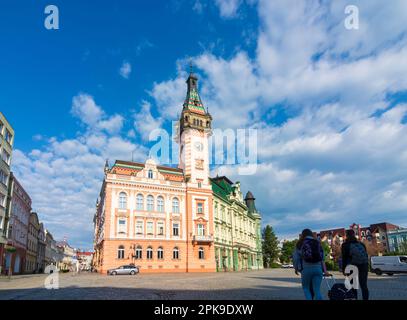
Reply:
x=287, y=251
x=327, y=250
x=403, y=247
x=270, y=246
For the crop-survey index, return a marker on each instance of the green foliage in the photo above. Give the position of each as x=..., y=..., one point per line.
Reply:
x=270, y=246
x=275, y=265
x=287, y=251
x=327, y=250
x=331, y=265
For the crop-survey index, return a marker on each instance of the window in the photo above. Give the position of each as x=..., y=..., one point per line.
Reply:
x=120, y=252
x=121, y=226
x=2, y=200
x=138, y=253
x=139, y=227
x=150, y=227
x=175, y=229
x=160, y=204
x=175, y=253
x=6, y=157
x=150, y=203
x=1, y=128
x=140, y=202
x=201, y=253
x=150, y=174
x=199, y=184
x=199, y=207
x=149, y=253
x=403, y=259
x=201, y=230
x=122, y=200
x=3, y=178
x=160, y=253
x=9, y=137
x=160, y=228
x=175, y=205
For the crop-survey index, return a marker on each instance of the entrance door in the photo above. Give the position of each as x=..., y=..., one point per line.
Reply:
x=17, y=264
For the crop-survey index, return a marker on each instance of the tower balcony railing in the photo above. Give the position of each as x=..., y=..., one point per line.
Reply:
x=203, y=238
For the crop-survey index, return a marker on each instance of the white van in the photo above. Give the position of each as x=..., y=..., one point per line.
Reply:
x=389, y=264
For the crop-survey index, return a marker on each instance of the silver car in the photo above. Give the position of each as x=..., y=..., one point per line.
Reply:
x=127, y=269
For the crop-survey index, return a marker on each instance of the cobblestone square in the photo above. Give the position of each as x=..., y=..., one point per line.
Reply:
x=279, y=284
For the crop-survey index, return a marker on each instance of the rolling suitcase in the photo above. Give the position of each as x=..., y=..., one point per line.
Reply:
x=338, y=291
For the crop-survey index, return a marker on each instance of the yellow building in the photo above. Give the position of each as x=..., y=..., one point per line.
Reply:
x=237, y=227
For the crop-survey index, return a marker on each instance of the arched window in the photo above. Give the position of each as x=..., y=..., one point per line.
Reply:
x=175, y=253
x=200, y=123
x=160, y=253
x=201, y=253
x=160, y=204
x=122, y=200
x=120, y=252
x=139, y=253
x=150, y=203
x=149, y=253
x=150, y=174
x=175, y=205
x=140, y=202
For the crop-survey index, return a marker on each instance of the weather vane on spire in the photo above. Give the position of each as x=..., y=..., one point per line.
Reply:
x=191, y=67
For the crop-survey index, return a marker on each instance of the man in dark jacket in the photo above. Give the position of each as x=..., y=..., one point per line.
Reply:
x=354, y=253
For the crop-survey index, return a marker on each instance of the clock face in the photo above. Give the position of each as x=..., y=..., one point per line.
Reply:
x=199, y=146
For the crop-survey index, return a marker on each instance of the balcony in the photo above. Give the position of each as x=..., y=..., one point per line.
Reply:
x=203, y=239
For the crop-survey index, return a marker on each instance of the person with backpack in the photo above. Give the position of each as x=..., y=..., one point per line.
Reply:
x=354, y=253
x=298, y=263
x=313, y=265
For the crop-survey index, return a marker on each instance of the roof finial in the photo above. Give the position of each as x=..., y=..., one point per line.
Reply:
x=191, y=67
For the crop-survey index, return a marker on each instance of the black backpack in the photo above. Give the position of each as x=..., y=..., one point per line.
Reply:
x=311, y=251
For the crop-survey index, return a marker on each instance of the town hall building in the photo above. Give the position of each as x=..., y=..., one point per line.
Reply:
x=167, y=219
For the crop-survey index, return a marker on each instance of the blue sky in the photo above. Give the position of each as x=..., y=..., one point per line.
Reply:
x=328, y=103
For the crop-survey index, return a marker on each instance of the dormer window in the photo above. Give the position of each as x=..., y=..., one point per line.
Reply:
x=150, y=174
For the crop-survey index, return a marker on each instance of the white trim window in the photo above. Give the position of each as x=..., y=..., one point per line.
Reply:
x=2, y=200
x=150, y=203
x=160, y=228
x=150, y=174
x=175, y=253
x=120, y=252
x=199, y=208
x=138, y=253
x=6, y=156
x=160, y=253
x=201, y=229
x=150, y=227
x=175, y=229
x=160, y=204
x=201, y=253
x=149, y=253
x=121, y=226
x=175, y=205
x=139, y=227
x=122, y=200
x=3, y=178
x=140, y=202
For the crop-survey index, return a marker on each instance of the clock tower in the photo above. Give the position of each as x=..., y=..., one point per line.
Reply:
x=194, y=131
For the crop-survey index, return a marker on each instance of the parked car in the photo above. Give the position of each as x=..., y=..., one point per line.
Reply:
x=389, y=264
x=127, y=269
x=287, y=266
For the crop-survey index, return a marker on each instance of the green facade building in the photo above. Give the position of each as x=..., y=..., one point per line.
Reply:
x=237, y=227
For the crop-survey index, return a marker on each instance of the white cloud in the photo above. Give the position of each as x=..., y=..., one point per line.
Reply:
x=228, y=8
x=63, y=176
x=144, y=121
x=125, y=69
x=85, y=108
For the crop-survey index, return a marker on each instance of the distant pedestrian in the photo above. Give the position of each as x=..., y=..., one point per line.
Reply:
x=354, y=253
x=313, y=265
